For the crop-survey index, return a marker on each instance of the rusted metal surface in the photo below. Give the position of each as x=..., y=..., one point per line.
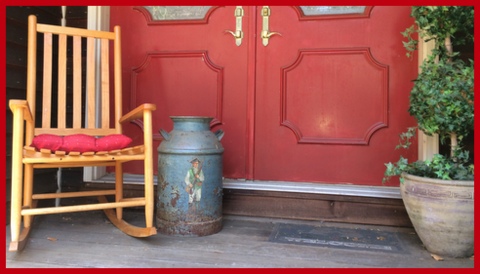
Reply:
x=190, y=178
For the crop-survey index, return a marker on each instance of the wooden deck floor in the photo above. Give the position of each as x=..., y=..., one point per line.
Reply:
x=88, y=240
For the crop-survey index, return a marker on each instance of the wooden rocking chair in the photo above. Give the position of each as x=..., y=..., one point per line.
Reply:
x=30, y=124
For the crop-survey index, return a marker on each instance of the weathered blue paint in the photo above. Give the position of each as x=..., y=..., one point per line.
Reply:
x=182, y=210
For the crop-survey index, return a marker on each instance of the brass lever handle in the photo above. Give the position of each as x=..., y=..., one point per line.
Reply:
x=266, y=34
x=238, y=34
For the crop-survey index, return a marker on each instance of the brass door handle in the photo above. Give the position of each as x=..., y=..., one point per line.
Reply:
x=238, y=34
x=266, y=34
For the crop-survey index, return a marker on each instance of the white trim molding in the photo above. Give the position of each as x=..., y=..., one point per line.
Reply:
x=98, y=18
x=427, y=145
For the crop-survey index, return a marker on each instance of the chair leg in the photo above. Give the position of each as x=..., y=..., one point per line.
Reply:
x=16, y=207
x=27, y=193
x=148, y=169
x=149, y=193
x=19, y=236
x=119, y=188
x=19, y=244
x=17, y=180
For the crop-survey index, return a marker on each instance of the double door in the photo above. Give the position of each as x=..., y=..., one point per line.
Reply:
x=313, y=94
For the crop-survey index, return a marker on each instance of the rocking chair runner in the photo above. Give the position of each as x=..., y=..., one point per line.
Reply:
x=25, y=157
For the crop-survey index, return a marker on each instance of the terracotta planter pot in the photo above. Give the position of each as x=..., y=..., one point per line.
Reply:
x=441, y=212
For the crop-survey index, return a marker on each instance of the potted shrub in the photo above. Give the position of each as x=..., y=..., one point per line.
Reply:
x=438, y=192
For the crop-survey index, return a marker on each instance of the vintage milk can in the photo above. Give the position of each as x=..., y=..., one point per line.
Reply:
x=189, y=188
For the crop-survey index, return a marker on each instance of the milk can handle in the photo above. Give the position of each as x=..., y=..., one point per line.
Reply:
x=164, y=134
x=219, y=133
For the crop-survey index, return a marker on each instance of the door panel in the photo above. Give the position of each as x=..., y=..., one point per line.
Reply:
x=323, y=101
x=187, y=67
x=331, y=97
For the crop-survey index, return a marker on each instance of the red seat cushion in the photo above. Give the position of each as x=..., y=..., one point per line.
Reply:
x=112, y=142
x=47, y=141
x=80, y=142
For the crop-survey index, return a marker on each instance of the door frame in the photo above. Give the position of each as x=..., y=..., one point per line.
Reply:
x=98, y=18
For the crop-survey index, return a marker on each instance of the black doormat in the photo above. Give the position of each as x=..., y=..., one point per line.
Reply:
x=336, y=237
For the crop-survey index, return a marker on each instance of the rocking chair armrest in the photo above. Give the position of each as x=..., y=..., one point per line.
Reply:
x=23, y=105
x=137, y=112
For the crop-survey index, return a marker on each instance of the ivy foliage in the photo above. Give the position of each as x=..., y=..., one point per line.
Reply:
x=460, y=167
x=438, y=23
x=442, y=98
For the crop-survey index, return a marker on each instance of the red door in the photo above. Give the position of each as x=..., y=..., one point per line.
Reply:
x=321, y=101
x=332, y=95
